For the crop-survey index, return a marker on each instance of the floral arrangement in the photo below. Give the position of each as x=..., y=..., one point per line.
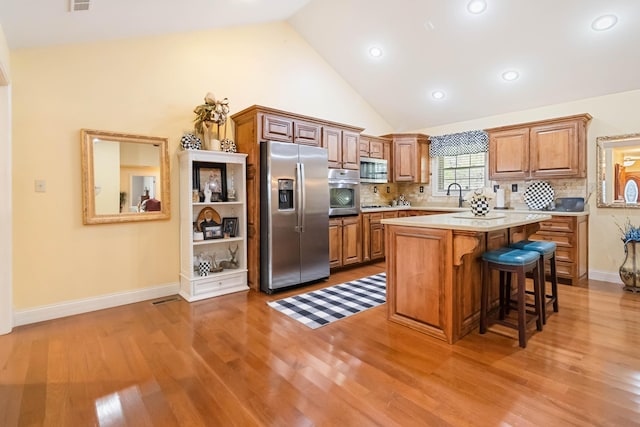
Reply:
x=212, y=111
x=629, y=232
x=478, y=194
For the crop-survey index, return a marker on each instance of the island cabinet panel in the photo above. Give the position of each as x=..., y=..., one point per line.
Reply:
x=419, y=284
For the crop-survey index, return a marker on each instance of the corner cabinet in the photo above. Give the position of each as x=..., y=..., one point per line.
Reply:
x=193, y=286
x=554, y=148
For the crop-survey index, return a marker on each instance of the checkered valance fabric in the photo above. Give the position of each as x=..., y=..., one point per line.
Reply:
x=473, y=141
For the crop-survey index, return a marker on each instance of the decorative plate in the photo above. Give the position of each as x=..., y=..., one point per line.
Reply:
x=207, y=214
x=538, y=195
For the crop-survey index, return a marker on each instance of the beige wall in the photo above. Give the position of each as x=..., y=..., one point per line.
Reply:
x=612, y=115
x=143, y=86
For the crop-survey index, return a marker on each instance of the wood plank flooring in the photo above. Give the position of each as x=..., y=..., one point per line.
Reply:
x=234, y=361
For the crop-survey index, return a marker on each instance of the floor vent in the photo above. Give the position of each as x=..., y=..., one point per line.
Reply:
x=166, y=300
x=78, y=5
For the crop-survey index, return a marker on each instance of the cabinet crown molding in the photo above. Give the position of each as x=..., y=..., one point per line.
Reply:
x=585, y=118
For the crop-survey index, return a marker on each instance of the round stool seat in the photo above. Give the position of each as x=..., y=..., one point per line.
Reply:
x=510, y=256
x=542, y=247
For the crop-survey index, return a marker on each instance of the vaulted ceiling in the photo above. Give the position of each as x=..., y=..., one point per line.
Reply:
x=426, y=46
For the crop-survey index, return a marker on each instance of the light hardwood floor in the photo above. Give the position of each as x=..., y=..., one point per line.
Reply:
x=234, y=361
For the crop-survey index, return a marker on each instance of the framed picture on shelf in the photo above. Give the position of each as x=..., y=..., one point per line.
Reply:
x=211, y=177
x=212, y=232
x=230, y=226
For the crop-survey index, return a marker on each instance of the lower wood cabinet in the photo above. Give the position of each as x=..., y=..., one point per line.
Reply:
x=345, y=241
x=570, y=234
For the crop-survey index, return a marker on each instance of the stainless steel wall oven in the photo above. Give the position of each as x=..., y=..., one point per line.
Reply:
x=344, y=192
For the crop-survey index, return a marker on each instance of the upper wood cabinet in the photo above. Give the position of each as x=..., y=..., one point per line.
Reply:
x=410, y=157
x=553, y=148
x=285, y=129
x=373, y=146
x=343, y=147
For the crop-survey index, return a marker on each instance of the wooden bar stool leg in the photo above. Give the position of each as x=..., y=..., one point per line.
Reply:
x=543, y=285
x=502, y=295
x=539, y=297
x=484, y=296
x=507, y=293
x=522, y=309
x=554, y=283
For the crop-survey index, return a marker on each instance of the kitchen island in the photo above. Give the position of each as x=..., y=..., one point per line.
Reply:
x=434, y=268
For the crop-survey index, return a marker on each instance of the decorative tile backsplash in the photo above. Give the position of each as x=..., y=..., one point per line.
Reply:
x=562, y=188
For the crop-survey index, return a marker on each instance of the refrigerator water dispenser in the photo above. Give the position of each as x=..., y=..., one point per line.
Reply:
x=285, y=194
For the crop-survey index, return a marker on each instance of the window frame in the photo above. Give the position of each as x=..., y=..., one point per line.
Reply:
x=435, y=168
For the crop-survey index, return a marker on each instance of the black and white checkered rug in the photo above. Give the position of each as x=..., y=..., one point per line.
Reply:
x=323, y=306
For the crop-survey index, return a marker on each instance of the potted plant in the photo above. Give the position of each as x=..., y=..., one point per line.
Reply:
x=629, y=273
x=211, y=112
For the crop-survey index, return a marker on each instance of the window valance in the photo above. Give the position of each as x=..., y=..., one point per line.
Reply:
x=470, y=142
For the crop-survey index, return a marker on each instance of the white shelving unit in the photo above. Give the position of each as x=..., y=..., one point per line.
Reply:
x=194, y=287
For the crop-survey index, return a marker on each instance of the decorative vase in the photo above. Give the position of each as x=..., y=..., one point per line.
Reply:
x=629, y=273
x=479, y=205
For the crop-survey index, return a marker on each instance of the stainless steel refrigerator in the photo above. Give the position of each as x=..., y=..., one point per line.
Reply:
x=294, y=215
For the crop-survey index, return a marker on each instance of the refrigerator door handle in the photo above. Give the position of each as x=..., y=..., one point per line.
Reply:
x=303, y=198
x=299, y=190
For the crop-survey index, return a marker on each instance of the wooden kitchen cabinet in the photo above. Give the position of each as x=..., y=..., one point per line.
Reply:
x=570, y=234
x=374, y=147
x=253, y=126
x=553, y=148
x=343, y=147
x=373, y=234
x=345, y=241
x=410, y=157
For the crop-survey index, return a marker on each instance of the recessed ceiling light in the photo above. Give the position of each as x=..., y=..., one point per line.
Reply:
x=510, y=75
x=604, y=22
x=375, y=51
x=437, y=94
x=477, y=6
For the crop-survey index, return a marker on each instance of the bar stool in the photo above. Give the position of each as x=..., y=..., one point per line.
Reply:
x=507, y=261
x=547, y=251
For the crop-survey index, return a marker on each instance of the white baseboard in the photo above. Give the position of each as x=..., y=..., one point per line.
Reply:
x=69, y=308
x=605, y=276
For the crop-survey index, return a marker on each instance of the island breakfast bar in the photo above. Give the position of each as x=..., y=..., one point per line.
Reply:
x=434, y=267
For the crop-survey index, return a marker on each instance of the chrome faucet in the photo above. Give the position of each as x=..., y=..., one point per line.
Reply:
x=460, y=199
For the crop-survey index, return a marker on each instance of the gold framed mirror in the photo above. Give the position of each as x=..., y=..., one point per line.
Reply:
x=618, y=170
x=125, y=177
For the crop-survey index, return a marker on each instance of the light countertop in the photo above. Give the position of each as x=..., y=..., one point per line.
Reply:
x=494, y=220
x=448, y=209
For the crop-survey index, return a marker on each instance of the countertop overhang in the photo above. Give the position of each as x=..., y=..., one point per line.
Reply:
x=460, y=221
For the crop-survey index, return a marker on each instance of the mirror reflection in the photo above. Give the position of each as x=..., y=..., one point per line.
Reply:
x=125, y=177
x=618, y=160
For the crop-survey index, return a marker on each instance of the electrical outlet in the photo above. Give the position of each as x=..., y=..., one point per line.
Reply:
x=388, y=189
x=422, y=188
x=495, y=188
x=375, y=189
x=514, y=188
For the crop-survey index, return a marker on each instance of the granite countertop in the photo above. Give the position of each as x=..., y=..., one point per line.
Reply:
x=494, y=220
x=448, y=209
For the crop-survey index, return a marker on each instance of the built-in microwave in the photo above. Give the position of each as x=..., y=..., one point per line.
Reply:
x=373, y=170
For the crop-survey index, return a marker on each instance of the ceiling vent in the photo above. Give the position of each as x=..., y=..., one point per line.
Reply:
x=78, y=5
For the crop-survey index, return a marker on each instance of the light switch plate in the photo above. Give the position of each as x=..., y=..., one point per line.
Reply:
x=40, y=186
